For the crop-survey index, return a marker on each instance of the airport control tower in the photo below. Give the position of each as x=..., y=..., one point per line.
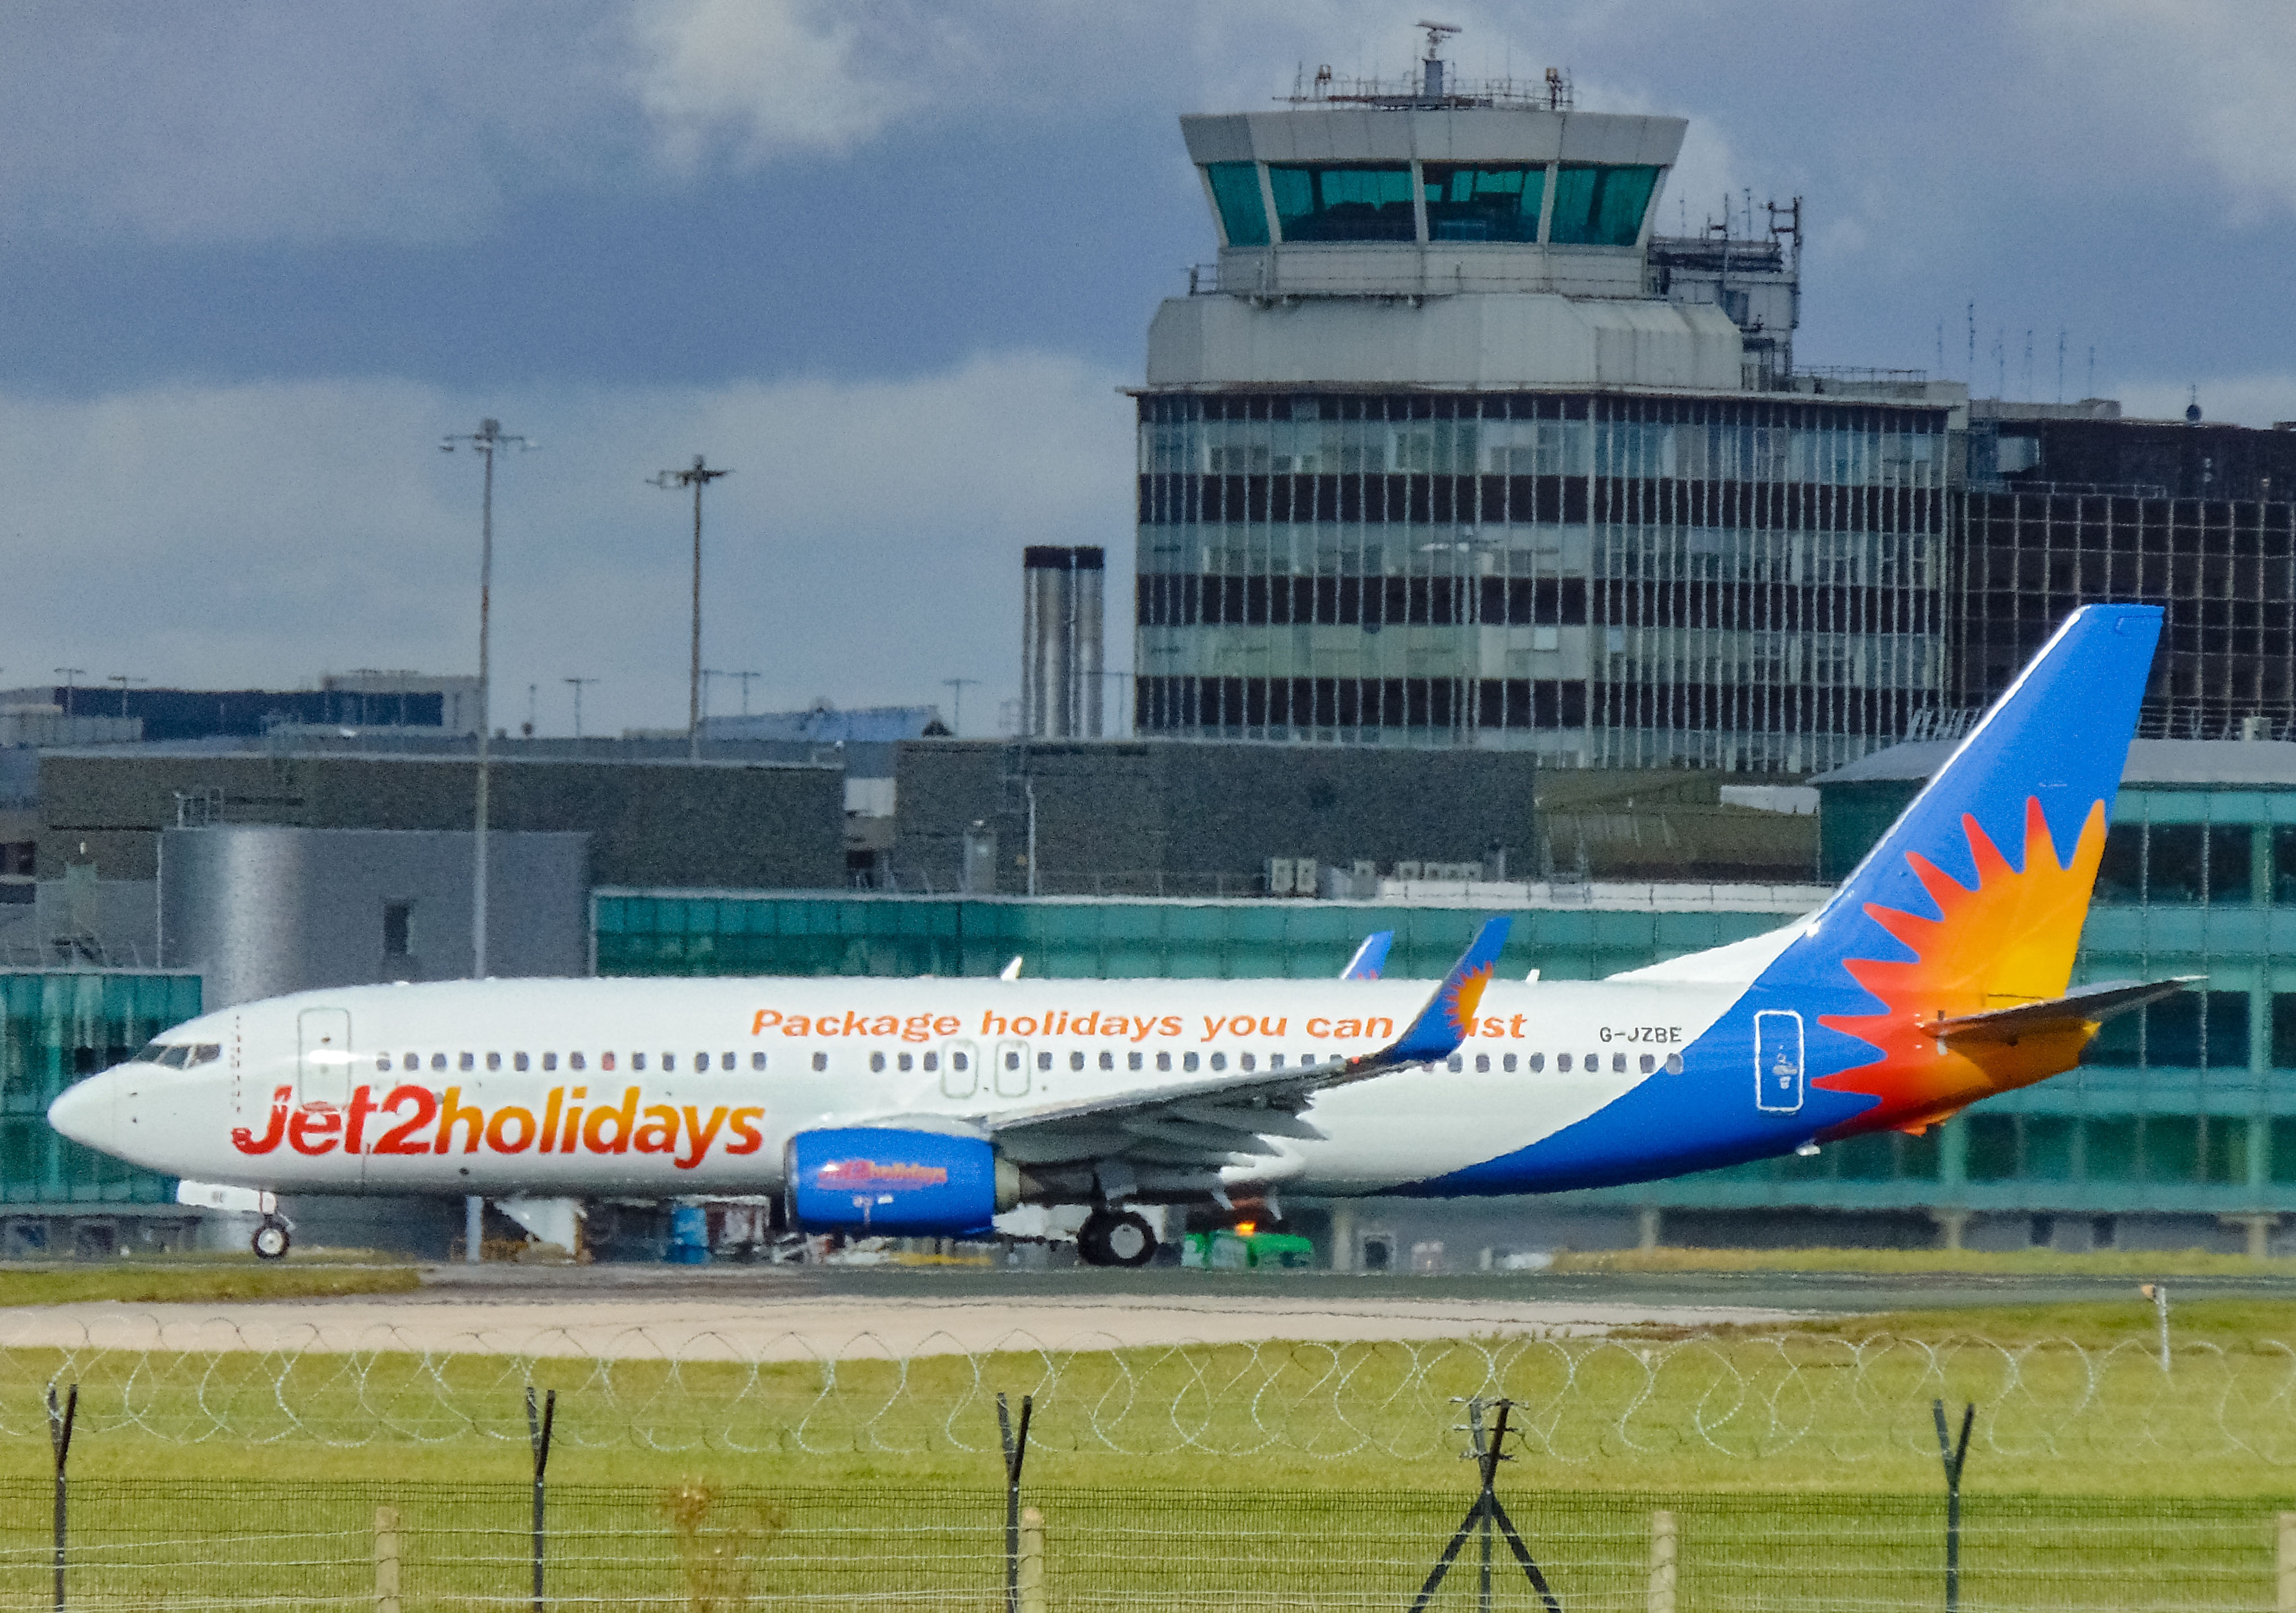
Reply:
x=1450, y=449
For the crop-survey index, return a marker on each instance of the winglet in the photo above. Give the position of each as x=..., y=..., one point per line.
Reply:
x=1450, y=1013
x=1370, y=957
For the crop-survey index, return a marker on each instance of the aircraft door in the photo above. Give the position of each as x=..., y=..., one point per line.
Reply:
x=960, y=1070
x=1012, y=1069
x=323, y=1067
x=1778, y=1081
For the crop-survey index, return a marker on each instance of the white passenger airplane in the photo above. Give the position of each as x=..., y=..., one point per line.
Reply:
x=1935, y=976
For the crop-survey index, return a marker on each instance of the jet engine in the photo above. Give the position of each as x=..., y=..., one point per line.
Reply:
x=866, y=1180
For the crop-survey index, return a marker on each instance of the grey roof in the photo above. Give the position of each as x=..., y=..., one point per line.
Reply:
x=2266, y=762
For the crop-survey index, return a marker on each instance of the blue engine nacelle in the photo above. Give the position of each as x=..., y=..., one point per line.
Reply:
x=901, y=1184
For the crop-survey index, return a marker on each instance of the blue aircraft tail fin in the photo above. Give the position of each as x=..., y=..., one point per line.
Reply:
x=1983, y=882
x=1370, y=958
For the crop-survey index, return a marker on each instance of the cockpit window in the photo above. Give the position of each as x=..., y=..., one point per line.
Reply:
x=179, y=1055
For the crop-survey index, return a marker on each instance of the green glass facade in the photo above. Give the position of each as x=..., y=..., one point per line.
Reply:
x=56, y=1027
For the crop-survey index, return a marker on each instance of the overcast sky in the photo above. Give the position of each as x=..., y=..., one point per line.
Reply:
x=891, y=262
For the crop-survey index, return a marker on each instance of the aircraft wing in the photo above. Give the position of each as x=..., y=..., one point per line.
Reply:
x=1220, y=1119
x=2085, y=1004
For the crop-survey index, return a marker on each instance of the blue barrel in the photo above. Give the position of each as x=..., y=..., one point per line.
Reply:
x=689, y=1235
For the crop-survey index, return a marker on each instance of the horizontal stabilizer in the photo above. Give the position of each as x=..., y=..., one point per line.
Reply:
x=2084, y=1004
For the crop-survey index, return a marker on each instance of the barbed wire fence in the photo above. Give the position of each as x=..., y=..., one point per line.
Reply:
x=1580, y=1400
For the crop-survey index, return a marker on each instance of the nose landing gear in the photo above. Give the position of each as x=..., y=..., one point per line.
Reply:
x=1116, y=1237
x=271, y=1239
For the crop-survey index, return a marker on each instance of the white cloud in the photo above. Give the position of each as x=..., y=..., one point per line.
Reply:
x=293, y=122
x=765, y=76
x=866, y=547
x=2215, y=73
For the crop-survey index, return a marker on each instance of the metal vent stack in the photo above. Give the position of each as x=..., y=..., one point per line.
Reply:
x=1061, y=642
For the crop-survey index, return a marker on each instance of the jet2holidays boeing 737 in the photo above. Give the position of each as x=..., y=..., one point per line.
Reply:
x=1937, y=976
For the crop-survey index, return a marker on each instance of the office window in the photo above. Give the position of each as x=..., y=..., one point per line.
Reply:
x=1354, y=203
x=2283, y=865
x=2229, y=863
x=2118, y=1043
x=2224, y=1150
x=398, y=929
x=2283, y=1163
x=1868, y=1157
x=1992, y=1148
x=2171, y=1148
x=2174, y=862
x=1600, y=207
x=2048, y=1148
x=1469, y=204
x=1917, y=1157
x=2120, y=874
x=1235, y=190
x=2226, y=1014
x=2109, y=1150
x=2172, y=1032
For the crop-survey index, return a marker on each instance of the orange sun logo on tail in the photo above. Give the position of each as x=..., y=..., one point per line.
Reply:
x=1460, y=1011
x=2008, y=939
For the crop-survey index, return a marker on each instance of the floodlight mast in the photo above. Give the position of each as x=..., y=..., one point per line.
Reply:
x=699, y=477
x=485, y=442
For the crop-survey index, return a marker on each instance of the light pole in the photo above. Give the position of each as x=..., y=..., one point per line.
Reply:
x=698, y=477
x=123, y=680
x=485, y=442
x=68, y=674
x=577, y=682
x=745, y=677
x=956, y=704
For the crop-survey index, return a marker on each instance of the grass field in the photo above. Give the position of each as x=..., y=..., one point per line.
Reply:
x=698, y=1546
x=155, y=1282
x=2134, y=1264
x=2072, y=1401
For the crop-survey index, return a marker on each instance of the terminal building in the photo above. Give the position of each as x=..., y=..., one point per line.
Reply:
x=1453, y=447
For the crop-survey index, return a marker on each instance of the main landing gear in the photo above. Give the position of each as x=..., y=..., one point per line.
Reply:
x=1116, y=1237
x=271, y=1239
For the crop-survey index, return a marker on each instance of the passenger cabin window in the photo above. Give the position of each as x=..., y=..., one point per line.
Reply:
x=518, y=1061
x=1132, y=1061
x=574, y=1061
x=1076, y=1060
x=1674, y=1064
x=550, y=1061
x=437, y=1060
x=932, y=1061
x=1187, y=1061
x=1219, y=1061
x=493, y=1060
x=668, y=1062
x=467, y=1062
x=399, y=929
x=877, y=1063
x=1108, y=1061
x=638, y=1060
x=821, y=1061
x=903, y=1063
x=756, y=1060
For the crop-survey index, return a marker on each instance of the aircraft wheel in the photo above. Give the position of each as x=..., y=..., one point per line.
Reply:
x=1114, y=1237
x=270, y=1240
x=1129, y=1239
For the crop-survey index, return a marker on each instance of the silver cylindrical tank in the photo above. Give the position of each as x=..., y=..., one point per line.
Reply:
x=1061, y=642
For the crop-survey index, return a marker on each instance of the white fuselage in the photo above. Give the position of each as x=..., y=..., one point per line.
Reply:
x=672, y=1087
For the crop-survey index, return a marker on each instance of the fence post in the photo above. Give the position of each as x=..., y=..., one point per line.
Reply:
x=59, y=1433
x=1954, y=1457
x=1662, y=1573
x=1030, y=1580
x=2286, y=1600
x=538, y=1436
x=386, y=1560
x=1016, y=1451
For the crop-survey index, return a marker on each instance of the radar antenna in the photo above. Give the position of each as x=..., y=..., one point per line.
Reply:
x=1431, y=80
